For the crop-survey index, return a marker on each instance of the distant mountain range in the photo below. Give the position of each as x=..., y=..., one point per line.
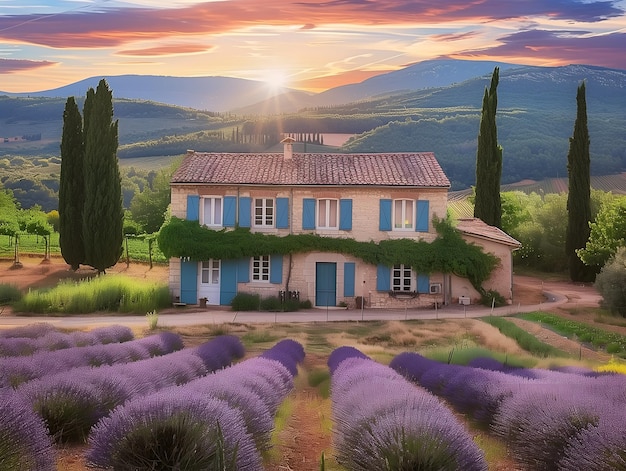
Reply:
x=249, y=96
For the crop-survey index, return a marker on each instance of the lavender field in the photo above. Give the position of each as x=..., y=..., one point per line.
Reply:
x=251, y=399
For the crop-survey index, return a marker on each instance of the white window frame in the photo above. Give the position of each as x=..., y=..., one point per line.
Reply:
x=211, y=201
x=210, y=272
x=260, y=268
x=324, y=213
x=403, y=218
x=403, y=279
x=267, y=213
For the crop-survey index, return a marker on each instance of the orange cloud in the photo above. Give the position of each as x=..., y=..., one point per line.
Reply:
x=331, y=81
x=170, y=50
x=114, y=27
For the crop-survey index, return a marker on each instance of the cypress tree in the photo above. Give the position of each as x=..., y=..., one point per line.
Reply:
x=102, y=211
x=579, y=192
x=71, y=187
x=487, y=204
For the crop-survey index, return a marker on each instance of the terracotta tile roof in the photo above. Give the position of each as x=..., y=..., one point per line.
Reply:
x=477, y=228
x=402, y=169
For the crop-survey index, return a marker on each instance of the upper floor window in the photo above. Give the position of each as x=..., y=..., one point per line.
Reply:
x=401, y=278
x=264, y=212
x=261, y=268
x=327, y=214
x=403, y=214
x=212, y=211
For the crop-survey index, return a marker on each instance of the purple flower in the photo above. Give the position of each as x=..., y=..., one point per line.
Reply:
x=343, y=353
x=24, y=443
x=31, y=331
x=384, y=422
x=412, y=365
x=178, y=430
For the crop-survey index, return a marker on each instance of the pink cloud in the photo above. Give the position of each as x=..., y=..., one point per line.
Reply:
x=166, y=50
x=558, y=48
x=8, y=66
x=115, y=27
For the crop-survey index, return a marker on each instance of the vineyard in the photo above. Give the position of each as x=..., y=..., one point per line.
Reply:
x=460, y=207
x=135, y=248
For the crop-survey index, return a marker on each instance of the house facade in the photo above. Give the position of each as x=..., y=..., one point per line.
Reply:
x=364, y=197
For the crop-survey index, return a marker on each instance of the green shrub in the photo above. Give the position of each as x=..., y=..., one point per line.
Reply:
x=492, y=298
x=271, y=303
x=611, y=283
x=246, y=302
x=613, y=348
x=115, y=293
x=9, y=294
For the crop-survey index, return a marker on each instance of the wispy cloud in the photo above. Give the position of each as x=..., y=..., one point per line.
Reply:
x=311, y=39
x=8, y=66
x=558, y=48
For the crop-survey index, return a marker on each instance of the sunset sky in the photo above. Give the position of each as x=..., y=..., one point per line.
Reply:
x=305, y=44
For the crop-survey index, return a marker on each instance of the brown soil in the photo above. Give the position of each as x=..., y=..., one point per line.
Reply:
x=306, y=433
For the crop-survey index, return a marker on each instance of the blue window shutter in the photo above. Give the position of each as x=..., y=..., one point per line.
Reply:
x=243, y=270
x=348, y=278
x=383, y=278
x=245, y=205
x=189, y=281
x=385, y=215
x=193, y=207
x=276, y=269
x=282, y=213
x=308, y=213
x=421, y=224
x=228, y=281
x=345, y=215
x=230, y=207
x=423, y=283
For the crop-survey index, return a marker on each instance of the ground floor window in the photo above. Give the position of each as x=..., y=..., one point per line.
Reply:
x=261, y=268
x=402, y=278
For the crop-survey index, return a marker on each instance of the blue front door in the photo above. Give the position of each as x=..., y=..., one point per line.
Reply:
x=325, y=284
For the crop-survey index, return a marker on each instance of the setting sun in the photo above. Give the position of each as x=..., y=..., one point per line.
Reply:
x=275, y=79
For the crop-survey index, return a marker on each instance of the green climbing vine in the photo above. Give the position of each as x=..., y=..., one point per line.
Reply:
x=448, y=253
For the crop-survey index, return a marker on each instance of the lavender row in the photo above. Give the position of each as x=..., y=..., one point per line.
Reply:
x=51, y=340
x=220, y=421
x=24, y=443
x=30, y=331
x=71, y=402
x=544, y=416
x=382, y=421
x=18, y=370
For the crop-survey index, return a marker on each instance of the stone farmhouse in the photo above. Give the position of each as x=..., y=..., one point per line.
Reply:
x=365, y=197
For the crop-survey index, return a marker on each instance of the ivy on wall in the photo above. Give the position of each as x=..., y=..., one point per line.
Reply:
x=448, y=253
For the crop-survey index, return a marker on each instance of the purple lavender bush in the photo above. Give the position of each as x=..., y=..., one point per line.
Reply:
x=176, y=431
x=24, y=443
x=601, y=448
x=343, y=353
x=399, y=427
x=30, y=331
x=540, y=420
x=412, y=365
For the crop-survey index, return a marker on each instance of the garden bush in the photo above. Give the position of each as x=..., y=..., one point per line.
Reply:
x=611, y=283
x=9, y=294
x=246, y=302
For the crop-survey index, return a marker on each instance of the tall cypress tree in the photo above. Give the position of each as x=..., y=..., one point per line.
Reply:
x=102, y=211
x=71, y=187
x=579, y=192
x=487, y=204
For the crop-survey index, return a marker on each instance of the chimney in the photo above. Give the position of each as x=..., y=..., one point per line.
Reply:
x=288, y=147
